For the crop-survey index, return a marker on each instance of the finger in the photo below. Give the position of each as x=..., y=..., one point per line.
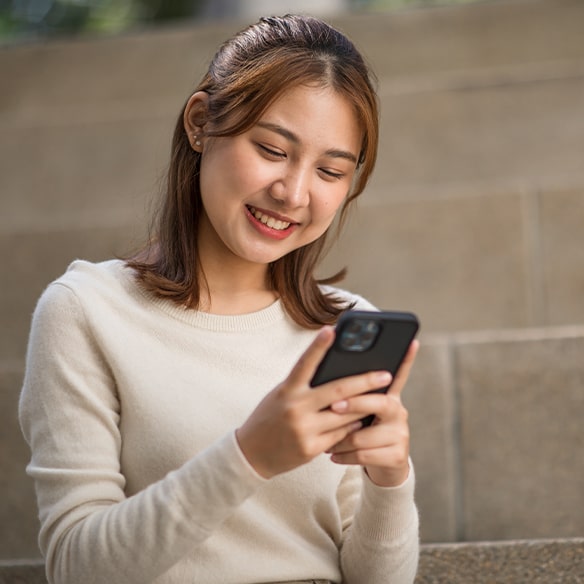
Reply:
x=371, y=438
x=384, y=406
x=403, y=372
x=306, y=366
x=388, y=460
x=340, y=390
x=330, y=421
x=339, y=434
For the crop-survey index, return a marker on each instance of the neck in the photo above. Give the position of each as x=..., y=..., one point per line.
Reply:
x=229, y=283
x=229, y=287
x=220, y=297
x=236, y=304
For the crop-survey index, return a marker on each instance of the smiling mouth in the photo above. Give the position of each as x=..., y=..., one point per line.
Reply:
x=268, y=220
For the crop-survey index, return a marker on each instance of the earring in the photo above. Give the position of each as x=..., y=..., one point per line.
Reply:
x=196, y=139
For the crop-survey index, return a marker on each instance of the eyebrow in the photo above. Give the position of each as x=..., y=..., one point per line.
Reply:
x=333, y=152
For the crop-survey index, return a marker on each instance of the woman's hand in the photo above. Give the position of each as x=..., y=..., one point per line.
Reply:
x=382, y=448
x=294, y=423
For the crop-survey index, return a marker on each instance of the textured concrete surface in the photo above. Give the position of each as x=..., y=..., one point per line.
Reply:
x=455, y=38
x=441, y=259
x=518, y=562
x=83, y=174
x=447, y=40
x=521, y=406
x=22, y=572
x=481, y=134
x=35, y=258
x=562, y=246
x=96, y=74
x=18, y=512
x=429, y=398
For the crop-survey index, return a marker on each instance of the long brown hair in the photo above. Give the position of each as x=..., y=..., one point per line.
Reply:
x=247, y=74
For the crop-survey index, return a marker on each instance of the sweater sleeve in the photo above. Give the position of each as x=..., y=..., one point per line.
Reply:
x=69, y=413
x=381, y=542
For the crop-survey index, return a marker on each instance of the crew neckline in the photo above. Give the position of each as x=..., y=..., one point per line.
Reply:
x=219, y=322
x=214, y=322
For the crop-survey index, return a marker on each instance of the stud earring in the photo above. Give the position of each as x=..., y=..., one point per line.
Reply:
x=196, y=139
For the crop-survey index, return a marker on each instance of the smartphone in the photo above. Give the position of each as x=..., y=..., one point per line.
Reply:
x=367, y=341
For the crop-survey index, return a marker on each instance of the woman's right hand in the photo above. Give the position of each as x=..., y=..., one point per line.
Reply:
x=293, y=424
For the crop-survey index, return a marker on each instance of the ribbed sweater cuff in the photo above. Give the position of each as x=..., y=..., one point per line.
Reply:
x=386, y=513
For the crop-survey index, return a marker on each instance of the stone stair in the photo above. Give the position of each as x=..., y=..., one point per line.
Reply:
x=474, y=219
x=513, y=562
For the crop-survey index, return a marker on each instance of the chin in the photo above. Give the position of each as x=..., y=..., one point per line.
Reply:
x=265, y=256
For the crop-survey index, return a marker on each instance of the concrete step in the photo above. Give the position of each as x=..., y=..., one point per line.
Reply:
x=414, y=43
x=471, y=260
x=516, y=562
x=533, y=562
x=408, y=44
x=22, y=572
x=496, y=425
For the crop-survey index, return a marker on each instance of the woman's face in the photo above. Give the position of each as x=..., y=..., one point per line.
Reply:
x=277, y=186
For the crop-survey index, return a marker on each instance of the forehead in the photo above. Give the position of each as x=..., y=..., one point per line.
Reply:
x=312, y=112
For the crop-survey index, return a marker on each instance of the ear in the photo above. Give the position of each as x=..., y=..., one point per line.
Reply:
x=194, y=119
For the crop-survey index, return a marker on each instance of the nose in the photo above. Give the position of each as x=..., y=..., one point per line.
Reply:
x=292, y=189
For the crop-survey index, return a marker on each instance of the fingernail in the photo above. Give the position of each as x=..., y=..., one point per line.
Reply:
x=324, y=332
x=340, y=406
x=384, y=377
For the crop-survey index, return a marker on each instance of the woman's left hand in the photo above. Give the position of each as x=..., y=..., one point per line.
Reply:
x=384, y=447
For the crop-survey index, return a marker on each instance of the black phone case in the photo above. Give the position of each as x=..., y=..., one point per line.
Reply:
x=396, y=332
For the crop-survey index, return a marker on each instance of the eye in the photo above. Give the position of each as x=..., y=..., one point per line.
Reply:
x=332, y=174
x=270, y=152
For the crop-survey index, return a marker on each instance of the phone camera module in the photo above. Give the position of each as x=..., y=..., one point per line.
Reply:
x=359, y=335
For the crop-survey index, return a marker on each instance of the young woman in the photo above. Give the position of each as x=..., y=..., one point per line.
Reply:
x=174, y=435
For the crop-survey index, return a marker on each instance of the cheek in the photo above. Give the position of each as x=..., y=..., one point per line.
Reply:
x=243, y=175
x=220, y=183
x=327, y=208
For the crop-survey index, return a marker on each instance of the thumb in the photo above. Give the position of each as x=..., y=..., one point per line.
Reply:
x=306, y=366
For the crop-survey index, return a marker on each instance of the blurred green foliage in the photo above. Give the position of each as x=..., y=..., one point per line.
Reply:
x=34, y=18
x=22, y=19
x=396, y=4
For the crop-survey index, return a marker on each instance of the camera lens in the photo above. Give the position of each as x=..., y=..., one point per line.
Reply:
x=359, y=335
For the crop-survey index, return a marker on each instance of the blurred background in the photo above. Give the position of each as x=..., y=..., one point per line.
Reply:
x=33, y=19
x=474, y=219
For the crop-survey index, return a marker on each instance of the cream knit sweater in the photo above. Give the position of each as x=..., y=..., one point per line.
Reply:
x=130, y=404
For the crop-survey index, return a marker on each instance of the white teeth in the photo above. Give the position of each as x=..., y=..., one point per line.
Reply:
x=269, y=221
